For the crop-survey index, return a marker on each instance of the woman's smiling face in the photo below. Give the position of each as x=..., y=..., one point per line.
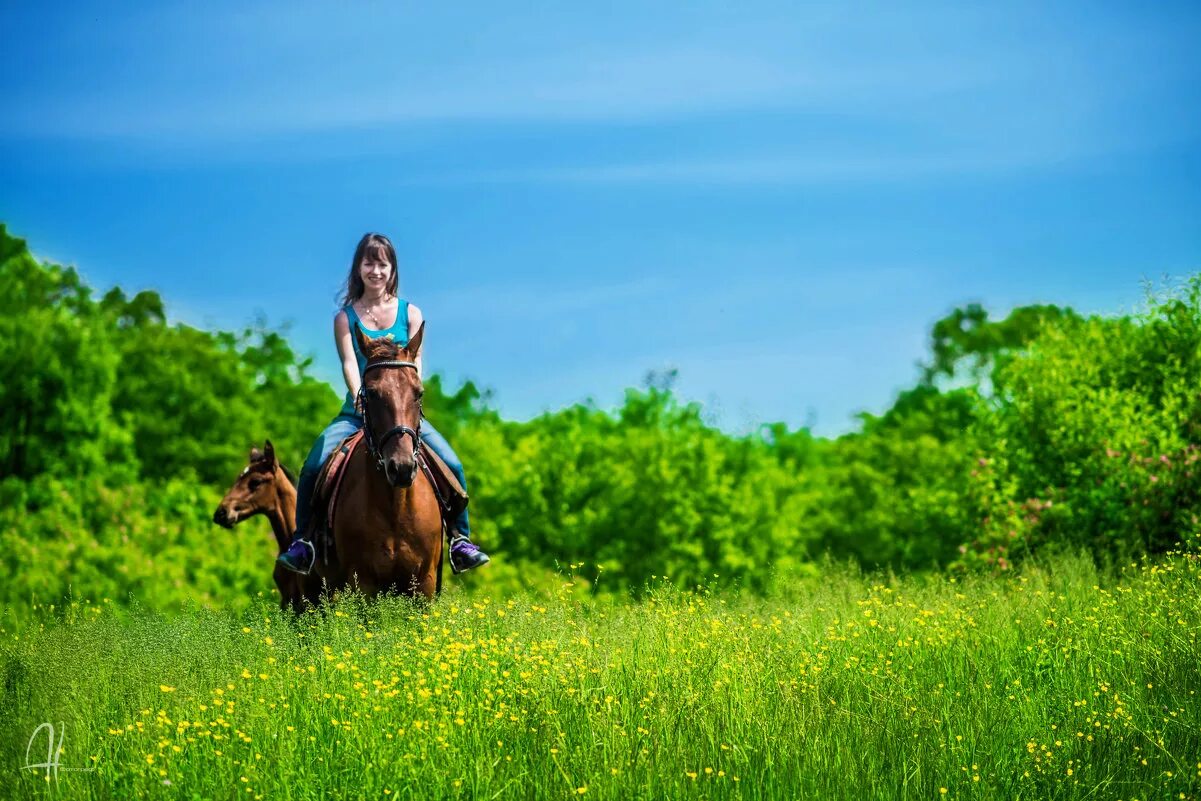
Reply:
x=376, y=271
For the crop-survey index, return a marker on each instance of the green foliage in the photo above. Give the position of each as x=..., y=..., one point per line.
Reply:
x=108, y=388
x=892, y=493
x=56, y=372
x=119, y=431
x=152, y=542
x=1094, y=436
x=650, y=491
x=966, y=341
x=453, y=411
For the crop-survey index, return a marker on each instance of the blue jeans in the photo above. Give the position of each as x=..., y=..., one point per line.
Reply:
x=342, y=427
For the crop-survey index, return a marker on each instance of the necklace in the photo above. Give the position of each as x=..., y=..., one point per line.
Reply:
x=370, y=314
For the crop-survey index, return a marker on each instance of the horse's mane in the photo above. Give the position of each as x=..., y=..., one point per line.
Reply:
x=288, y=475
x=385, y=347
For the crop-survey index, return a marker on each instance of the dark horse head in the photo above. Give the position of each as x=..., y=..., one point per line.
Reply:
x=253, y=492
x=390, y=399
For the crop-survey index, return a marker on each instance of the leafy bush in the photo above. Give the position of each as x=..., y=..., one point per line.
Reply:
x=1040, y=430
x=1093, y=437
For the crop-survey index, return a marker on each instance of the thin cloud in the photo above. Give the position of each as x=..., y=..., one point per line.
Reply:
x=531, y=303
x=242, y=75
x=561, y=87
x=790, y=171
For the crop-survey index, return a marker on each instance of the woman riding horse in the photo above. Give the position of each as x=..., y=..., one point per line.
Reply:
x=371, y=304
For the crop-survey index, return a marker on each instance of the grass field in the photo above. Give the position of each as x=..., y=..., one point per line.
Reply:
x=1053, y=684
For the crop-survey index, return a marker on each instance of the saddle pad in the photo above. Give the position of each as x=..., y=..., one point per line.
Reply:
x=325, y=494
x=450, y=493
x=451, y=496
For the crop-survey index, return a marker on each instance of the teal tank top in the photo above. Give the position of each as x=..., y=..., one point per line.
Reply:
x=399, y=332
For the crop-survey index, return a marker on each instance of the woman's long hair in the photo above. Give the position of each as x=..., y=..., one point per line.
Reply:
x=374, y=245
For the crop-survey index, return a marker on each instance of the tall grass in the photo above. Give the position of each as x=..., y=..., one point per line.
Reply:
x=1051, y=684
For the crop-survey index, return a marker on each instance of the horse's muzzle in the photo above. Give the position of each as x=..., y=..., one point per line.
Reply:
x=400, y=474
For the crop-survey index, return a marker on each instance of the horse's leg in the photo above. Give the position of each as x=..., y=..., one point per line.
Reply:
x=431, y=584
x=438, y=559
x=296, y=594
x=414, y=587
x=296, y=600
x=366, y=585
x=428, y=586
x=427, y=529
x=308, y=588
x=283, y=583
x=426, y=583
x=353, y=528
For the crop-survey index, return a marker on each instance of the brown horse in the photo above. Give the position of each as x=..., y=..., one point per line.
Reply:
x=387, y=529
x=265, y=487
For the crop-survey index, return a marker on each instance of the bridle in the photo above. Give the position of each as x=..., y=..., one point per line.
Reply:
x=373, y=448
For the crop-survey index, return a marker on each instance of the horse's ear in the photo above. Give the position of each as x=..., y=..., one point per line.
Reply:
x=269, y=452
x=363, y=340
x=414, y=346
x=255, y=453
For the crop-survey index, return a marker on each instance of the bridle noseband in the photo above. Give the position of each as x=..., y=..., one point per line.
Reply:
x=373, y=448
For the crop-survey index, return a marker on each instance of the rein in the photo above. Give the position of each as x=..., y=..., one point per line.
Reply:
x=374, y=449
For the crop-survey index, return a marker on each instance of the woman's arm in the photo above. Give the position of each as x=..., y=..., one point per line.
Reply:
x=350, y=365
x=415, y=321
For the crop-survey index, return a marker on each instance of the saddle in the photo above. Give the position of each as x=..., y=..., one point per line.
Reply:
x=452, y=498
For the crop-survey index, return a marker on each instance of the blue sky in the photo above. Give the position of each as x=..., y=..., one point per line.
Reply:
x=776, y=199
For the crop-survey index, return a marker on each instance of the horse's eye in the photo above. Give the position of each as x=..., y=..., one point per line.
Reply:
x=255, y=484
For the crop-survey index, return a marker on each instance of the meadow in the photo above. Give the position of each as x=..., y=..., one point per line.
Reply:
x=1056, y=681
x=990, y=590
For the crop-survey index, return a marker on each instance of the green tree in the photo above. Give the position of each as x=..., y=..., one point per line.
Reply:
x=58, y=371
x=967, y=344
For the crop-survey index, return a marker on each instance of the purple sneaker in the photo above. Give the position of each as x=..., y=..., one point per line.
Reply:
x=464, y=554
x=299, y=557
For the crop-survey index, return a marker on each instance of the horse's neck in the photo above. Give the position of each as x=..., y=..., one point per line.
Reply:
x=283, y=515
x=401, y=502
x=398, y=507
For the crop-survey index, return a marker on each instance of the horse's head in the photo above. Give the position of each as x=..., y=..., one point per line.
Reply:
x=390, y=399
x=253, y=492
